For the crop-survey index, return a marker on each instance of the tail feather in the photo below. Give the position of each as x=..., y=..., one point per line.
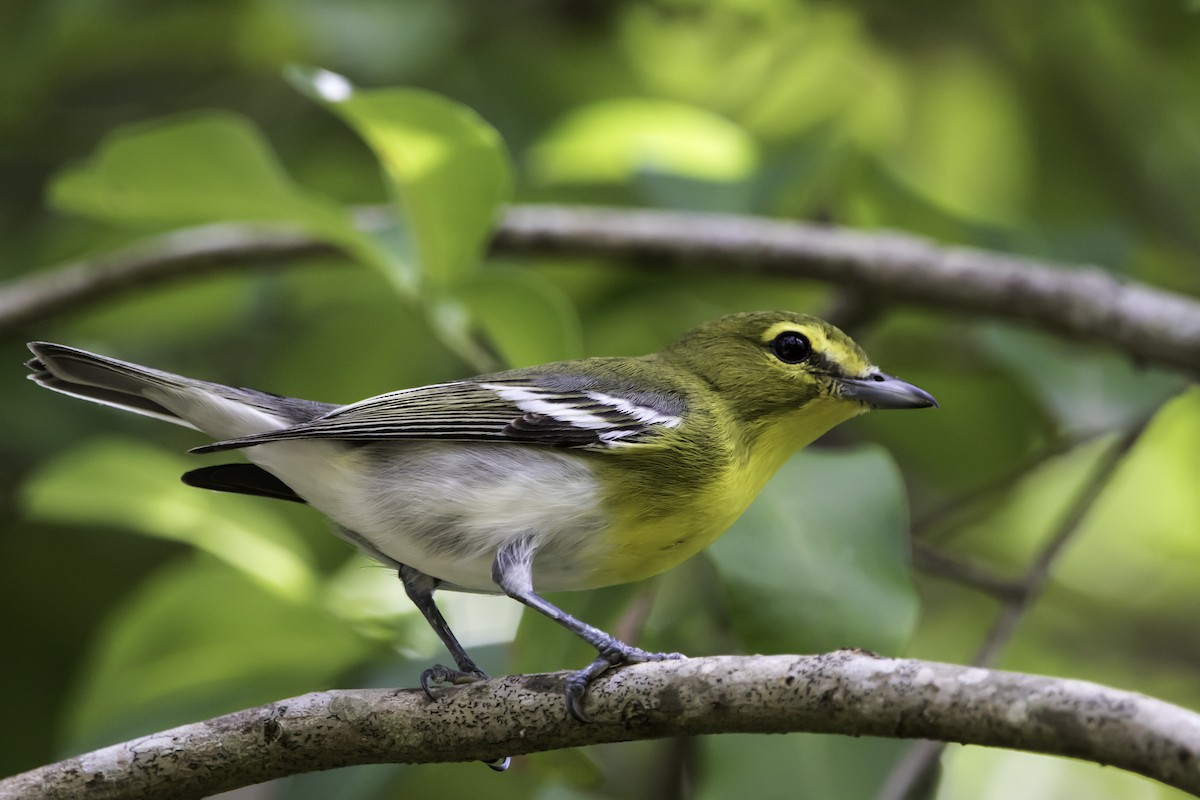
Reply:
x=100, y=379
x=241, y=479
x=223, y=412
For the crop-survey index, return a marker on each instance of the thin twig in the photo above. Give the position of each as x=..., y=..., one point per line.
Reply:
x=1038, y=574
x=967, y=571
x=916, y=767
x=972, y=504
x=954, y=515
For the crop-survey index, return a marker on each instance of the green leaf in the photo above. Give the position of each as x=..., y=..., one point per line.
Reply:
x=820, y=560
x=828, y=767
x=136, y=487
x=615, y=140
x=972, y=155
x=986, y=773
x=447, y=167
x=196, y=169
x=1136, y=550
x=1089, y=389
x=526, y=317
x=199, y=639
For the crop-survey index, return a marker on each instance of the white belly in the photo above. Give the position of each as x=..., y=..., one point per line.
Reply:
x=446, y=508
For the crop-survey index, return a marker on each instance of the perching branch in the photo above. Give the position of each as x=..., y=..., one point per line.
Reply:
x=847, y=692
x=1079, y=301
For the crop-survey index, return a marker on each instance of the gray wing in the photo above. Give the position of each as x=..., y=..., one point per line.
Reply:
x=553, y=411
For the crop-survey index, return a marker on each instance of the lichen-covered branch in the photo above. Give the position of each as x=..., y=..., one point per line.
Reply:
x=847, y=692
x=1080, y=301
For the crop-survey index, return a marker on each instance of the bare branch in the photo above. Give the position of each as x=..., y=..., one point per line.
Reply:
x=847, y=692
x=1079, y=301
x=1074, y=300
x=182, y=254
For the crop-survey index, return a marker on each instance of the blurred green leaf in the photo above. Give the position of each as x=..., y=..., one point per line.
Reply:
x=527, y=318
x=370, y=596
x=820, y=560
x=876, y=195
x=683, y=193
x=1138, y=548
x=988, y=424
x=969, y=150
x=204, y=168
x=200, y=639
x=982, y=773
x=199, y=168
x=615, y=140
x=136, y=487
x=1088, y=389
x=465, y=780
x=448, y=168
x=361, y=782
x=799, y=766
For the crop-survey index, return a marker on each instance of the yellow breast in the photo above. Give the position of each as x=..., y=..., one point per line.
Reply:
x=656, y=525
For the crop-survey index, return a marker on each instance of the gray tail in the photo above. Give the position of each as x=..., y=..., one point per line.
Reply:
x=103, y=380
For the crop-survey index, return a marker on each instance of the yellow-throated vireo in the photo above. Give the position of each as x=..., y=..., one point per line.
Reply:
x=570, y=475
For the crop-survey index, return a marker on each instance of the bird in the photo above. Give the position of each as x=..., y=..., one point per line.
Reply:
x=571, y=475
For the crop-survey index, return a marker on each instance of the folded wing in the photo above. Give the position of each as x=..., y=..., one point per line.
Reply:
x=549, y=411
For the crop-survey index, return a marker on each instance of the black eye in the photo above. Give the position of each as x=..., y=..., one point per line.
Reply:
x=791, y=347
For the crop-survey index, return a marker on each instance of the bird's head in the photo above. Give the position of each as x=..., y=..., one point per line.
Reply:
x=779, y=367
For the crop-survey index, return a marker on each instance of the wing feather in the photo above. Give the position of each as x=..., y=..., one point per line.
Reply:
x=504, y=409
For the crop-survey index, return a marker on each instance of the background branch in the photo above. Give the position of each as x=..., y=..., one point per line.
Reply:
x=919, y=764
x=1078, y=301
x=847, y=692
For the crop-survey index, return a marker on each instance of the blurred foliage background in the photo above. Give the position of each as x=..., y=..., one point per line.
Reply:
x=1064, y=131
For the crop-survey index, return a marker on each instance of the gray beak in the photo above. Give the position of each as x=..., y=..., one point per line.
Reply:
x=883, y=391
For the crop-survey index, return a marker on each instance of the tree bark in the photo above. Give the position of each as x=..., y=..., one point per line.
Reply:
x=847, y=692
x=1073, y=300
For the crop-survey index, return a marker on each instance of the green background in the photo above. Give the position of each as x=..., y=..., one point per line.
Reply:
x=1061, y=131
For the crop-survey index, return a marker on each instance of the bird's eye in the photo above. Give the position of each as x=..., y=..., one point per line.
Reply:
x=791, y=347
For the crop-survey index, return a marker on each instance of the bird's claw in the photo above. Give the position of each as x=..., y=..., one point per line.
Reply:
x=440, y=673
x=446, y=675
x=636, y=655
x=613, y=655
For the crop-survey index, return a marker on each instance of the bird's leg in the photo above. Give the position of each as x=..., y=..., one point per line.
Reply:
x=513, y=572
x=419, y=588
